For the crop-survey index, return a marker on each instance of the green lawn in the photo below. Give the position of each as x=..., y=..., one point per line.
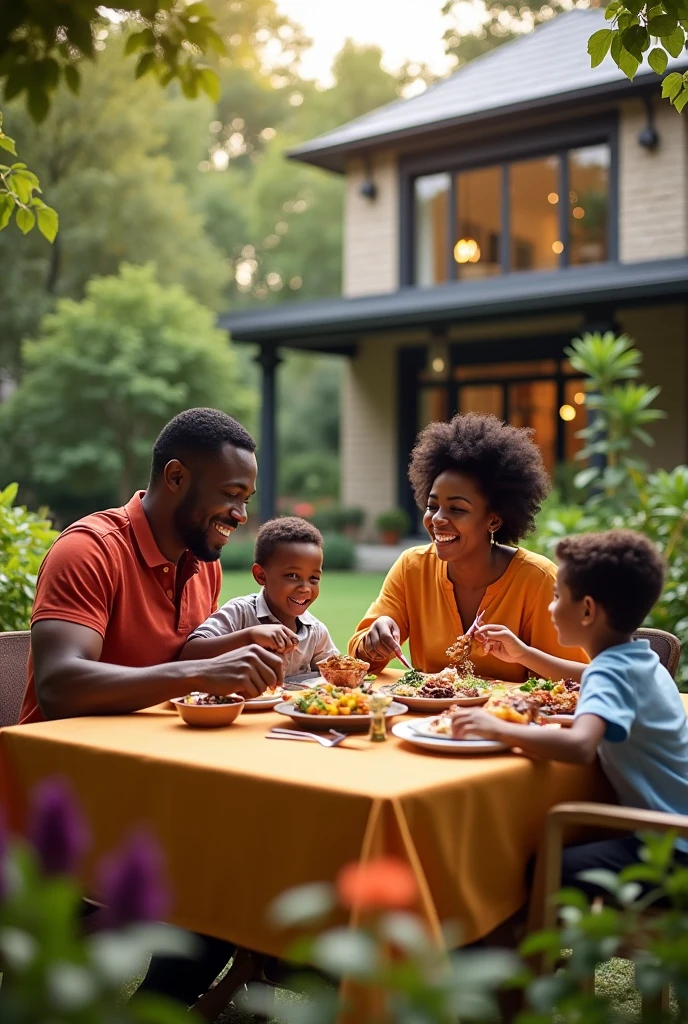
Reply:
x=344, y=598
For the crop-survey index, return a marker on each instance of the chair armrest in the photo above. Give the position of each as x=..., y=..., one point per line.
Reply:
x=547, y=883
x=623, y=819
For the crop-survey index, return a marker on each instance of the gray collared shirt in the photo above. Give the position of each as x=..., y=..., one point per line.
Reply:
x=315, y=642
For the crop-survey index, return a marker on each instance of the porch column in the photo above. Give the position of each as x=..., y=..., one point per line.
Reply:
x=267, y=476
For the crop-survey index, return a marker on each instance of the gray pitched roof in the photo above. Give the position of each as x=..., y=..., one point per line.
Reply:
x=536, y=70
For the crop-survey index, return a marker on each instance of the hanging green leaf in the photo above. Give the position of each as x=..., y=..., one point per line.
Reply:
x=675, y=42
x=628, y=64
x=72, y=78
x=662, y=26
x=48, y=222
x=598, y=46
x=658, y=60
x=25, y=220
x=672, y=85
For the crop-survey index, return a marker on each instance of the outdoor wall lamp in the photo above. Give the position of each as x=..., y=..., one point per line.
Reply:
x=368, y=188
x=648, y=137
x=438, y=356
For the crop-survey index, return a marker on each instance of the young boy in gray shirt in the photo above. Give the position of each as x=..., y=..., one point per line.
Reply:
x=288, y=566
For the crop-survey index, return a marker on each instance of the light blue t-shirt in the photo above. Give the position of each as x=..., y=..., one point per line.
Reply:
x=644, y=752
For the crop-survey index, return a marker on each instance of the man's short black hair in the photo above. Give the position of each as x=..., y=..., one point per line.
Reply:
x=622, y=570
x=284, y=530
x=198, y=431
x=504, y=461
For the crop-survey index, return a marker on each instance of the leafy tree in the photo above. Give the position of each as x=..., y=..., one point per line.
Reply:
x=102, y=378
x=102, y=157
x=639, y=30
x=44, y=43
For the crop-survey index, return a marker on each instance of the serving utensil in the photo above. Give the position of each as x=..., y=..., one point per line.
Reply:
x=330, y=739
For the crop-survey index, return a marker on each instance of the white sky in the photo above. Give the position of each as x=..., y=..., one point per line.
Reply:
x=404, y=29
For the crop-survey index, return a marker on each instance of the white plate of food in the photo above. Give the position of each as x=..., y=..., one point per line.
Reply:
x=332, y=707
x=267, y=700
x=444, y=744
x=416, y=690
x=556, y=698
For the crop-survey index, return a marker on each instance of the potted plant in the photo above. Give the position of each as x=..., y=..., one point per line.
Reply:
x=393, y=525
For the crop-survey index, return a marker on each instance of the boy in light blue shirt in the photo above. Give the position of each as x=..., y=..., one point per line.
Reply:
x=629, y=711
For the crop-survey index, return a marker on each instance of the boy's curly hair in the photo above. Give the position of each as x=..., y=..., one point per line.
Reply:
x=284, y=530
x=622, y=570
x=504, y=461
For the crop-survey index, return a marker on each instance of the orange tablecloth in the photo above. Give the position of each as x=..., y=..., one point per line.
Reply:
x=241, y=818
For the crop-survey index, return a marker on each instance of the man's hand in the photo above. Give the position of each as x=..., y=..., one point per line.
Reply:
x=247, y=671
x=467, y=723
x=274, y=637
x=382, y=641
x=501, y=642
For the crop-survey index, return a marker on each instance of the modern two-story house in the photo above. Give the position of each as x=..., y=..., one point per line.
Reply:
x=490, y=220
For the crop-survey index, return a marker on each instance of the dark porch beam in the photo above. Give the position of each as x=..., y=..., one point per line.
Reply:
x=269, y=360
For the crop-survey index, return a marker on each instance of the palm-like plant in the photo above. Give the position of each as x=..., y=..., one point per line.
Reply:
x=620, y=412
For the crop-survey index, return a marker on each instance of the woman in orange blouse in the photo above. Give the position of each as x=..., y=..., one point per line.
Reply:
x=481, y=483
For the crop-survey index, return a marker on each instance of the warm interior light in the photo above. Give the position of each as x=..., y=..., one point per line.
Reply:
x=438, y=364
x=579, y=397
x=467, y=250
x=553, y=198
x=557, y=247
x=578, y=212
x=567, y=412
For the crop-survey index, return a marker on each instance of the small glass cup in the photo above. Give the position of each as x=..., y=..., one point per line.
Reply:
x=379, y=702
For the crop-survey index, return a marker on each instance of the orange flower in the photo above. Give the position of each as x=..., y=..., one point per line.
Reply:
x=386, y=883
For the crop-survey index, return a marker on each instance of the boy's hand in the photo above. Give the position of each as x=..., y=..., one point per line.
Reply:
x=467, y=723
x=381, y=642
x=501, y=642
x=274, y=637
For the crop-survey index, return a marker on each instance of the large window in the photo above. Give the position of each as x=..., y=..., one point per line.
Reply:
x=536, y=214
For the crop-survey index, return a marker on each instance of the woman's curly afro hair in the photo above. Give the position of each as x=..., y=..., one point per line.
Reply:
x=504, y=461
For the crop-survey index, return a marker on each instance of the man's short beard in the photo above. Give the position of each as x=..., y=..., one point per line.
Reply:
x=193, y=537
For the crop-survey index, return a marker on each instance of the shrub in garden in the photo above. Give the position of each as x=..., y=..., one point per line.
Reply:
x=24, y=539
x=339, y=552
x=617, y=487
x=237, y=554
x=338, y=519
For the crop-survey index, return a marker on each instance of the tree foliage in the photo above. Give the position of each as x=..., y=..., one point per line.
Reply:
x=17, y=187
x=102, y=379
x=44, y=43
x=640, y=31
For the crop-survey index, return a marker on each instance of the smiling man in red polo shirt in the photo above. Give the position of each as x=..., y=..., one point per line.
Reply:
x=120, y=590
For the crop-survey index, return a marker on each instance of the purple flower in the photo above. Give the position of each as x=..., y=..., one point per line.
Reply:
x=131, y=885
x=57, y=829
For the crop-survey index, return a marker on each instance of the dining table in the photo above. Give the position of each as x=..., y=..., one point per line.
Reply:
x=240, y=820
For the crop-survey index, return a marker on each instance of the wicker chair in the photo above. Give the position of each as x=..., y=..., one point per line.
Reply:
x=665, y=645
x=14, y=660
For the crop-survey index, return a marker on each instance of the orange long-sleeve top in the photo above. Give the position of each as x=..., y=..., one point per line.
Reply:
x=418, y=594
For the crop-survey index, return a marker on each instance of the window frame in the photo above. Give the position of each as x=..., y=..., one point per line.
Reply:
x=544, y=141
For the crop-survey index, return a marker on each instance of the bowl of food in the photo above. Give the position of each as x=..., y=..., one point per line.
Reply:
x=209, y=711
x=343, y=670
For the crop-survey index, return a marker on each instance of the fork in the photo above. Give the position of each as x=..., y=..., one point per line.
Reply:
x=291, y=734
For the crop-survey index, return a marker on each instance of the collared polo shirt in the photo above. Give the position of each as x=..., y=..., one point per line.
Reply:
x=106, y=572
x=315, y=643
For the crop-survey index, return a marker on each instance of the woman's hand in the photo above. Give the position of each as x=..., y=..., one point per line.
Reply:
x=501, y=642
x=467, y=723
x=382, y=641
x=274, y=637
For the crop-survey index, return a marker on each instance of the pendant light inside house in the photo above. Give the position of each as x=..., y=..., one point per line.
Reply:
x=467, y=250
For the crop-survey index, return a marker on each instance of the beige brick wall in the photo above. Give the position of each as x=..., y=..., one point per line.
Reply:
x=661, y=332
x=368, y=446
x=653, y=186
x=371, y=229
